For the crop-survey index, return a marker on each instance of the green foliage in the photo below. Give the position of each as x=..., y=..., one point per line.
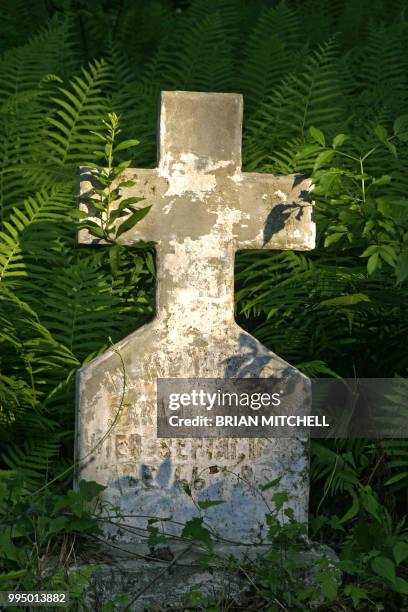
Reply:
x=107, y=191
x=274, y=47
x=80, y=110
x=38, y=533
x=325, y=94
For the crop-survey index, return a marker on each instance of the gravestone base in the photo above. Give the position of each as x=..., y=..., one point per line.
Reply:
x=167, y=583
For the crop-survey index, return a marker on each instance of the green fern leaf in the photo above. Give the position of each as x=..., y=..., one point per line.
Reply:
x=79, y=112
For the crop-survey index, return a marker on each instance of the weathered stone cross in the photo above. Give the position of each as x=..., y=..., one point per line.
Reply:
x=203, y=210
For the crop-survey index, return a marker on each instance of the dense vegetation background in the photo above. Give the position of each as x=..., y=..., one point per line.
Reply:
x=326, y=93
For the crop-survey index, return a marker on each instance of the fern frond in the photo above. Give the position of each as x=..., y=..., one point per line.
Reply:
x=78, y=308
x=20, y=21
x=27, y=82
x=153, y=22
x=204, y=62
x=272, y=52
x=79, y=112
x=335, y=466
x=32, y=364
x=29, y=232
x=23, y=68
x=138, y=103
x=314, y=96
x=396, y=452
x=33, y=460
x=289, y=291
x=232, y=14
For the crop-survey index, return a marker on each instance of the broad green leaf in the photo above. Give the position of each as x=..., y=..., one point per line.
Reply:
x=114, y=259
x=113, y=195
x=351, y=512
x=271, y=484
x=333, y=238
x=388, y=255
x=155, y=536
x=194, y=530
x=126, y=184
x=82, y=524
x=98, y=204
x=128, y=201
x=120, y=167
x=93, y=228
x=289, y=512
x=401, y=585
x=393, y=207
x=89, y=489
x=396, y=478
x=8, y=550
x=132, y=220
x=346, y=300
x=383, y=180
x=187, y=489
x=373, y=263
x=126, y=144
x=400, y=552
x=392, y=148
x=209, y=503
x=317, y=135
x=108, y=150
x=114, y=215
x=323, y=158
x=370, y=503
x=381, y=133
x=339, y=140
x=384, y=567
x=279, y=499
x=329, y=585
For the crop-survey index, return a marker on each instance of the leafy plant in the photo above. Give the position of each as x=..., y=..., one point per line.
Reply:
x=39, y=533
x=108, y=191
x=363, y=214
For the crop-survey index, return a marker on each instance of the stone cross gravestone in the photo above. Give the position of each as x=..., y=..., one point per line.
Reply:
x=203, y=209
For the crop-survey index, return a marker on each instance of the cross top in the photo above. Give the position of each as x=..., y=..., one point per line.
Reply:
x=202, y=130
x=204, y=209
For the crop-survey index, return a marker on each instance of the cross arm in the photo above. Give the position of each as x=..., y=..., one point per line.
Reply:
x=277, y=212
